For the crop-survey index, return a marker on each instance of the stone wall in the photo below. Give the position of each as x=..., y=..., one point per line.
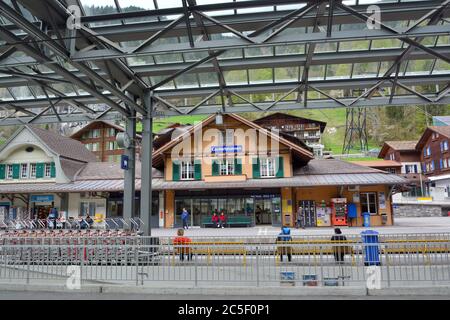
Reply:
x=420, y=210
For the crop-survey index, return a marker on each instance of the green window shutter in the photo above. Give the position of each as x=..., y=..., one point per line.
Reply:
x=52, y=170
x=16, y=171
x=197, y=170
x=280, y=171
x=215, y=168
x=256, y=170
x=175, y=171
x=2, y=171
x=39, y=170
x=237, y=166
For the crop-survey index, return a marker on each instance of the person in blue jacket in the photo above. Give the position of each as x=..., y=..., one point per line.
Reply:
x=184, y=218
x=283, y=238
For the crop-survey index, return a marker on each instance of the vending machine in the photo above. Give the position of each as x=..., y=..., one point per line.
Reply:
x=339, y=211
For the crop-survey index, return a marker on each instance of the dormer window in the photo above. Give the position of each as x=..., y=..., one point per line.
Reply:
x=47, y=170
x=9, y=171
x=32, y=170
x=24, y=171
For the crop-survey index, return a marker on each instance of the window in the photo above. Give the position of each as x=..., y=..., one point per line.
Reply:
x=444, y=163
x=111, y=132
x=32, y=170
x=24, y=171
x=47, y=170
x=432, y=165
x=267, y=167
x=187, y=170
x=226, y=167
x=114, y=158
x=428, y=151
x=87, y=208
x=95, y=146
x=369, y=202
x=444, y=146
x=9, y=171
x=96, y=133
x=411, y=168
x=226, y=137
x=111, y=145
x=391, y=170
x=392, y=156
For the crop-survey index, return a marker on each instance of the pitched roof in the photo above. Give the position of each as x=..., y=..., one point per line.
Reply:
x=63, y=146
x=442, y=130
x=286, y=115
x=158, y=156
x=378, y=163
x=333, y=166
x=109, y=171
x=409, y=145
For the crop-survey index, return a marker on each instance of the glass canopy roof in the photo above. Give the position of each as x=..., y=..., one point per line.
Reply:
x=191, y=53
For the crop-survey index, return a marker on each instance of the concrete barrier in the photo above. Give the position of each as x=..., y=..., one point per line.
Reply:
x=233, y=291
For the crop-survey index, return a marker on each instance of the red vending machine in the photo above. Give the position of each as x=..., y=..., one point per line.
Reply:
x=339, y=211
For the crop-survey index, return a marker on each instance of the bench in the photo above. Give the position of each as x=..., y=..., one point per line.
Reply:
x=230, y=222
x=211, y=249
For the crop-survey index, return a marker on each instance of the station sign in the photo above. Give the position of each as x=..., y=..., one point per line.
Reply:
x=226, y=149
x=42, y=198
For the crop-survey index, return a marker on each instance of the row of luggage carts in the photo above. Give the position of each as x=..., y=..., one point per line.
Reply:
x=73, y=250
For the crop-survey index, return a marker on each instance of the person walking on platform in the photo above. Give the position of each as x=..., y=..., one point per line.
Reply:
x=184, y=218
x=341, y=249
x=300, y=218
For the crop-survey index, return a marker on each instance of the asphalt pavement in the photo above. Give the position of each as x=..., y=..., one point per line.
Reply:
x=49, y=296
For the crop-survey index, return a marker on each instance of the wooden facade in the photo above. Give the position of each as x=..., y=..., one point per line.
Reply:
x=100, y=138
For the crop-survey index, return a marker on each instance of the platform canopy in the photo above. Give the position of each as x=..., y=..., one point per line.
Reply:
x=81, y=60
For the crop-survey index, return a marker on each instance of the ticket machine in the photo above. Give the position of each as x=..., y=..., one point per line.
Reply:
x=339, y=212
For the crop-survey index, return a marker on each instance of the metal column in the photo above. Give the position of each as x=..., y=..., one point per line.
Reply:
x=129, y=175
x=146, y=169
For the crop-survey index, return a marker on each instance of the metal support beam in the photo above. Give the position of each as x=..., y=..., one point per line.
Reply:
x=146, y=164
x=129, y=206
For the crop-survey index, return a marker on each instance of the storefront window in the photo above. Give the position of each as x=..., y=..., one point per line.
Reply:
x=267, y=167
x=201, y=207
x=187, y=170
x=369, y=203
x=87, y=208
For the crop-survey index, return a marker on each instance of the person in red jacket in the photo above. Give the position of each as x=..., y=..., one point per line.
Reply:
x=181, y=245
x=222, y=219
x=215, y=219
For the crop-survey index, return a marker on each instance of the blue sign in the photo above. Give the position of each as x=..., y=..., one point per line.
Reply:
x=124, y=162
x=226, y=149
x=42, y=198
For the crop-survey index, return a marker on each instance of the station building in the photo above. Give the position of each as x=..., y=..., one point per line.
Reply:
x=254, y=175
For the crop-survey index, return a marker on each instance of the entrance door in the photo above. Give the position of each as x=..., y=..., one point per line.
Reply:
x=263, y=211
x=309, y=210
x=276, y=212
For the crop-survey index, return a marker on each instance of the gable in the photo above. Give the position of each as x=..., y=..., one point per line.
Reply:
x=250, y=137
x=20, y=141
